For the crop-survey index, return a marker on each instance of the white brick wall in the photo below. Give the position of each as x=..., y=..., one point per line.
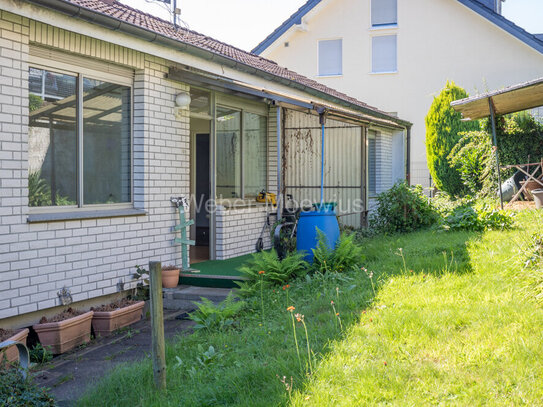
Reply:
x=89, y=256
x=239, y=229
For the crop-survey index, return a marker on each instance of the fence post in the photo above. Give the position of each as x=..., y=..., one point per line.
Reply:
x=157, y=325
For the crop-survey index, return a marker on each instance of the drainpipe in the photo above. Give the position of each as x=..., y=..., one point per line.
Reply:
x=279, y=164
x=493, y=119
x=408, y=156
x=322, y=120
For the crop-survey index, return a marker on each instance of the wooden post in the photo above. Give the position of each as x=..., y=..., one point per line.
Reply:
x=157, y=325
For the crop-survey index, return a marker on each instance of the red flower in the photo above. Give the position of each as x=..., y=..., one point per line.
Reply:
x=291, y=308
x=261, y=272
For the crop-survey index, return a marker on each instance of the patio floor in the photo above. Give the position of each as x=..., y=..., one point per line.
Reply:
x=216, y=273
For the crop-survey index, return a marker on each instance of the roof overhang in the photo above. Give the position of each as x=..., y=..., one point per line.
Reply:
x=227, y=85
x=515, y=98
x=109, y=22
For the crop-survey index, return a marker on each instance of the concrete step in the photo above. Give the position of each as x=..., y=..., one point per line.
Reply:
x=182, y=297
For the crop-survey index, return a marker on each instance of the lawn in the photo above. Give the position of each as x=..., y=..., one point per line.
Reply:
x=446, y=318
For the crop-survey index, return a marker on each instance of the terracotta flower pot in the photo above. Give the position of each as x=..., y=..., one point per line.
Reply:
x=65, y=335
x=11, y=353
x=170, y=278
x=104, y=323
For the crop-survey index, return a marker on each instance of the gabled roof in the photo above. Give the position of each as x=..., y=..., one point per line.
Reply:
x=504, y=24
x=533, y=41
x=294, y=19
x=137, y=23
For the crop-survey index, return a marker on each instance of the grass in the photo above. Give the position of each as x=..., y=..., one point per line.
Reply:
x=451, y=323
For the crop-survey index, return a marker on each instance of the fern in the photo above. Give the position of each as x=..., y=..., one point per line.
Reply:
x=276, y=272
x=345, y=256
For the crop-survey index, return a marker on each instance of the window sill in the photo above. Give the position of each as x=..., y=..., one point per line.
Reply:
x=384, y=73
x=383, y=27
x=87, y=214
x=335, y=75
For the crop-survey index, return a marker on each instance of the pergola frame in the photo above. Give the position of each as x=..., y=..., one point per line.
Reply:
x=513, y=99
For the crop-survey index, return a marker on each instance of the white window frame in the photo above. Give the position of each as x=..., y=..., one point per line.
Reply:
x=318, y=58
x=382, y=26
x=383, y=34
x=80, y=73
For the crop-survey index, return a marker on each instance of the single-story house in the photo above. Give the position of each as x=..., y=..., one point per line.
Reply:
x=106, y=113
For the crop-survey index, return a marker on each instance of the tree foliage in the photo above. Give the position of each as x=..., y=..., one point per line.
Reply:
x=520, y=138
x=476, y=161
x=443, y=126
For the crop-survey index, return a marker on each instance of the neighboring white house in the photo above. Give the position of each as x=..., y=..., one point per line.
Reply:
x=107, y=112
x=398, y=54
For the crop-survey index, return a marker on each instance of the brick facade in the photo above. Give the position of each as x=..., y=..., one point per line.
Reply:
x=90, y=257
x=239, y=229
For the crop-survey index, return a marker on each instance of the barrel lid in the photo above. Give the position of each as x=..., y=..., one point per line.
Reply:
x=323, y=212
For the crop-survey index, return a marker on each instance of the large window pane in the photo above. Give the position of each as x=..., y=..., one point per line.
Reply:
x=384, y=12
x=52, y=139
x=330, y=57
x=106, y=142
x=254, y=153
x=228, y=153
x=199, y=103
x=384, y=53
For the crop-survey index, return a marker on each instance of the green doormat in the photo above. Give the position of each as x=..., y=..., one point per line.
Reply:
x=216, y=273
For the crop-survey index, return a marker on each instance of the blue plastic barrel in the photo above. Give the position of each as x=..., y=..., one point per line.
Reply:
x=307, y=238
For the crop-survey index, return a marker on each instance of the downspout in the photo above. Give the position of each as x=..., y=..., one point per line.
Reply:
x=493, y=120
x=279, y=164
x=322, y=120
x=408, y=158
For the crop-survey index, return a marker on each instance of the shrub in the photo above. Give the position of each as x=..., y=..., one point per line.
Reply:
x=520, y=138
x=402, y=209
x=277, y=272
x=346, y=255
x=478, y=218
x=16, y=391
x=476, y=162
x=443, y=125
x=216, y=317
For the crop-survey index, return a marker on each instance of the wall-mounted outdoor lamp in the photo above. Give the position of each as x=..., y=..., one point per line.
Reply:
x=182, y=102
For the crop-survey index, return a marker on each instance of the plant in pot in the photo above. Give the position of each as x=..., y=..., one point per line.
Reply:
x=64, y=331
x=170, y=276
x=11, y=354
x=117, y=315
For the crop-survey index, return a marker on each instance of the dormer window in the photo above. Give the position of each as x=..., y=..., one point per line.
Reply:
x=384, y=13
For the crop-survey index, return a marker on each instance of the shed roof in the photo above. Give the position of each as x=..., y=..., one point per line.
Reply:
x=509, y=100
x=136, y=18
x=478, y=6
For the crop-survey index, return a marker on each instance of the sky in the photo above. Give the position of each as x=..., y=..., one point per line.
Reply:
x=244, y=23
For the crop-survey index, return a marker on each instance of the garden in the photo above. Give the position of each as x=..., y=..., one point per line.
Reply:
x=438, y=301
